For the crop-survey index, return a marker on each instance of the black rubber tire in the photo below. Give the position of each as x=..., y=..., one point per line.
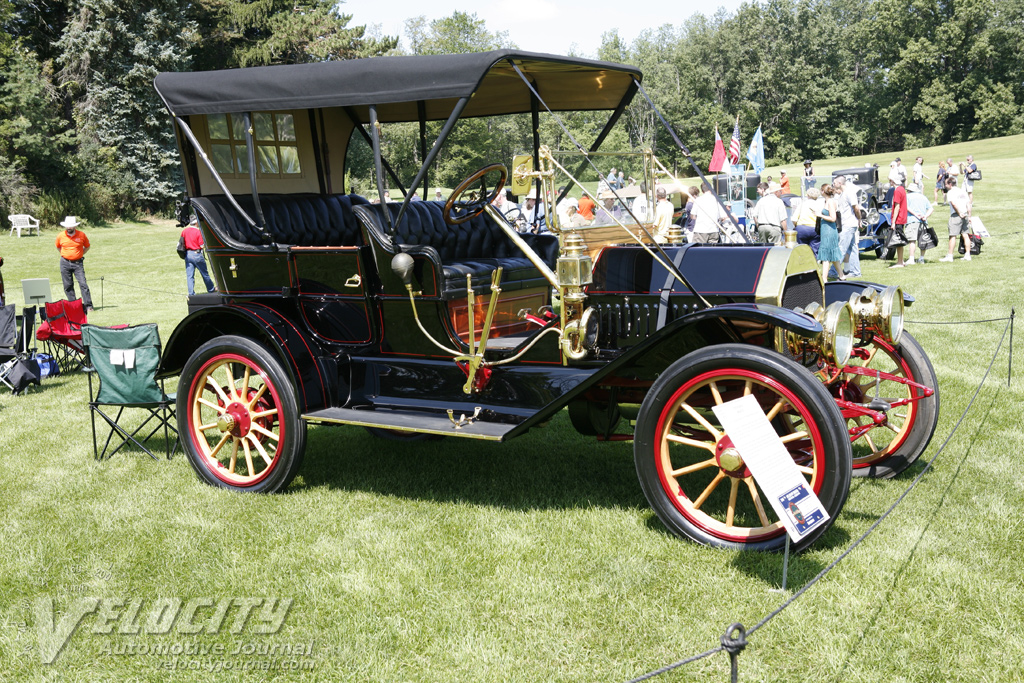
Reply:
x=925, y=420
x=831, y=453
x=280, y=394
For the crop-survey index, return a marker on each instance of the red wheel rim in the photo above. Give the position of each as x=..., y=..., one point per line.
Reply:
x=879, y=443
x=234, y=420
x=712, y=492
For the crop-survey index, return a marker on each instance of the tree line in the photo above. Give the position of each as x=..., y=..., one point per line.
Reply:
x=83, y=132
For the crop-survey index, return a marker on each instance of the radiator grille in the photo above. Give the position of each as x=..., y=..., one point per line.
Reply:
x=801, y=289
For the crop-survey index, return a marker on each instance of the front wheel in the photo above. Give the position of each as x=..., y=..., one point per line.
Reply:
x=887, y=449
x=695, y=480
x=238, y=417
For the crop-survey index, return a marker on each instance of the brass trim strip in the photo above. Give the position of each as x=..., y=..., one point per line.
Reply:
x=442, y=432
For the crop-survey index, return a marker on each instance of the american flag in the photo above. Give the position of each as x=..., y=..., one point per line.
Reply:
x=734, y=144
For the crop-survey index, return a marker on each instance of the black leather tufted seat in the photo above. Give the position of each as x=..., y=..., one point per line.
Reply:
x=306, y=220
x=477, y=247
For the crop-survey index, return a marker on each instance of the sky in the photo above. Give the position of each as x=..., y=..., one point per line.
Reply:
x=538, y=25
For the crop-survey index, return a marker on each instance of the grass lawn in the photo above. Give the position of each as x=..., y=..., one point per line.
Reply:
x=535, y=560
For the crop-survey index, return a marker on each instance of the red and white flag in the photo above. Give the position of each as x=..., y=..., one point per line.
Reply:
x=718, y=155
x=734, y=144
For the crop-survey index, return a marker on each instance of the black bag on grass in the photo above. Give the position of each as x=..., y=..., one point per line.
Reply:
x=23, y=373
x=896, y=237
x=976, y=243
x=926, y=237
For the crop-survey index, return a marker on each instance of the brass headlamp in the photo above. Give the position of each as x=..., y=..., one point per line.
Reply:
x=879, y=312
x=834, y=343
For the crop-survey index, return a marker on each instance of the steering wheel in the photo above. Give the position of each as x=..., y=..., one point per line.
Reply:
x=457, y=211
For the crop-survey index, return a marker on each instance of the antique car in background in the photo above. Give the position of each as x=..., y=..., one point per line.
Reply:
x=874, y=201
x=419, y=319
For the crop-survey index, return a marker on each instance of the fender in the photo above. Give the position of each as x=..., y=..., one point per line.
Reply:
x=841, y=290
x=312, y=371
x=648, y=359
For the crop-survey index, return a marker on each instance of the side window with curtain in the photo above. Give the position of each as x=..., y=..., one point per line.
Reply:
x=277, y=151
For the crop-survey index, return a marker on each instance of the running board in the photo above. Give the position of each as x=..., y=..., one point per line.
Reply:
x=413, y=421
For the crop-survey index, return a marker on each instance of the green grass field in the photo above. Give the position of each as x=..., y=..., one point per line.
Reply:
x=535, y=560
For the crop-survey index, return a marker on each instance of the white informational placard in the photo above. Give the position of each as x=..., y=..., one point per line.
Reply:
x=978, y=228
x=772, y=466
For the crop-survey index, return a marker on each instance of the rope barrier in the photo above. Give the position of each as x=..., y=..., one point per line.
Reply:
x=145, y=289
x=734, y=645
x=956, y=322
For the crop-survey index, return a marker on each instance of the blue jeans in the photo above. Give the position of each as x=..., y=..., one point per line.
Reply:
x=806, y=235
x=849, y=245
x=194, y=261
x=71, y=271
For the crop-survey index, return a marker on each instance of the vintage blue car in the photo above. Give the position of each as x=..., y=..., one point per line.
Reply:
x=424, y=319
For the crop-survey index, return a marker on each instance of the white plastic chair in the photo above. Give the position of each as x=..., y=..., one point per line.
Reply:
x=23, y=221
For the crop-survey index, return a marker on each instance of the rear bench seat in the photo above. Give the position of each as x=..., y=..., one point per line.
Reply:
x=477, y=247
x=302, y=220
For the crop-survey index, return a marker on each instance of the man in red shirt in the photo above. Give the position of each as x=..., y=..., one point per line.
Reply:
x=899, y=221
x=194, y=258
x=73, y=246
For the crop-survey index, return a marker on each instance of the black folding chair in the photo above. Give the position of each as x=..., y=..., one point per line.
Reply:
x=8, y=345
x=125, y=360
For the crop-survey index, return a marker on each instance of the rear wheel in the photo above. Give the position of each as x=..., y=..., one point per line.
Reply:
x=692, y=475
x=886, y=450
x=238, y=417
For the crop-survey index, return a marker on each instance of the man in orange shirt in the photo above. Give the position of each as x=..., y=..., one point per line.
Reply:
x=586, y=208
x=73, y=246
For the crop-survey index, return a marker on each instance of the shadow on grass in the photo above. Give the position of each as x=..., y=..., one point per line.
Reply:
x=902, y=568
x=551, y=467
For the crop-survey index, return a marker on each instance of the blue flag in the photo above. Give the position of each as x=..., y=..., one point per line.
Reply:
x=756, y=152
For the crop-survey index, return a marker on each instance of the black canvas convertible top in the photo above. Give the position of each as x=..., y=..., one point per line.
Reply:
x=396, y=84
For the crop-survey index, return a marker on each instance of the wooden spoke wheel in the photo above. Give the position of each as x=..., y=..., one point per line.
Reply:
x=239, y=417
x=694, y=477
x=887, y=449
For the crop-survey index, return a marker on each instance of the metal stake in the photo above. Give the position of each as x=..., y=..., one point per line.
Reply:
x=1009, y=371
x=785, y=569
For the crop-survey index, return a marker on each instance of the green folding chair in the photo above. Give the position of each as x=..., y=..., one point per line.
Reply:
x=125, y=361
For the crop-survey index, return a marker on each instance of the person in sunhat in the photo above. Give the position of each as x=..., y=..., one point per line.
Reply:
x=533, y=212
x=73, y=245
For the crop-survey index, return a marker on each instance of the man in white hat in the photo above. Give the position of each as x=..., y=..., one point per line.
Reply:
x=533, y=212
x=73, y=245
x=770, y=215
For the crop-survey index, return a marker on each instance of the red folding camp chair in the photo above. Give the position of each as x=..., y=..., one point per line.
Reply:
x=61, y=333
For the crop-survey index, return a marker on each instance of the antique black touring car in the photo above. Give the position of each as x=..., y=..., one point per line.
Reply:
x=418, y=319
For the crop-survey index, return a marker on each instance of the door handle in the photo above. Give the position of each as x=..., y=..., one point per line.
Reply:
x=354, y=281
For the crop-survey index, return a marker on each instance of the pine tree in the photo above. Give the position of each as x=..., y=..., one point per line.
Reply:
x=252, y=33
x=110, y=52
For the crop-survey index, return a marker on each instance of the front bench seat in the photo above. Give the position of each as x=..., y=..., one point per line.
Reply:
x=475, y=248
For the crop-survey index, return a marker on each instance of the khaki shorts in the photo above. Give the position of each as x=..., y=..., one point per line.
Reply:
x=910, y=230
x=705, y=237
x=958, y=226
